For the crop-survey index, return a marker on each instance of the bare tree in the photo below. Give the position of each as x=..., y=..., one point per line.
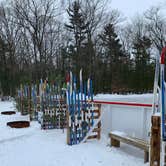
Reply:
x=38, y=21
x=156, y=26
x=9, y=31
x=35, y=17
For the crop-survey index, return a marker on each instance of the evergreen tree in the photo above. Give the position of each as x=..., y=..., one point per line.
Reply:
x=6, y=80
x=77, y=26
x=143, y=77
x=113, y=58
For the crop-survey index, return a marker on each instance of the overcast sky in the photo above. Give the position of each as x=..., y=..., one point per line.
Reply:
x=131, y=7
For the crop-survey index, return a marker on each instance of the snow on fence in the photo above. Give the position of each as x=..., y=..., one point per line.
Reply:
x=133, y=118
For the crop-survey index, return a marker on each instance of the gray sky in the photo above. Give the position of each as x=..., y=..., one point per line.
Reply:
x=131, y=7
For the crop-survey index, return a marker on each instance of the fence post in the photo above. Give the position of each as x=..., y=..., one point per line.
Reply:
x=155, y=141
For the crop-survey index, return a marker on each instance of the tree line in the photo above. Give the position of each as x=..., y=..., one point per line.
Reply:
x=46, y=39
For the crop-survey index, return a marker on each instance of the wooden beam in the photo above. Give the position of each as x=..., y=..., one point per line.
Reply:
x=155, y=141
x=131, y=141
x=93, y=137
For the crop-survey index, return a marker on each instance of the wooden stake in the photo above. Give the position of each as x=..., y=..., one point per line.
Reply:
x=29, y=103
x=68, y=129
x=155, y=141
x=99, y=124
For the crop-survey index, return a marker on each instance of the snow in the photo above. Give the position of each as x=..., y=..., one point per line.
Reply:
x=157, y=114
x=120, y=133
x=134, y=98
x=35, y=147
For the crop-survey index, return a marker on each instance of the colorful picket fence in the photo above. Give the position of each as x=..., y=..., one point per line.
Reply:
x=23, y=99
x=43, y=102
x=83, y=115
x=53, y=107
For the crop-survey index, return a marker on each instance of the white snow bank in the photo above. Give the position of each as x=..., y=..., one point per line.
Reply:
x=141, y=98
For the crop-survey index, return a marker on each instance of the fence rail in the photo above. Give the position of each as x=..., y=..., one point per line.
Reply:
x=123, y=103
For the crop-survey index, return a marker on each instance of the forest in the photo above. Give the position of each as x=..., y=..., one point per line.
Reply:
x=48, y=38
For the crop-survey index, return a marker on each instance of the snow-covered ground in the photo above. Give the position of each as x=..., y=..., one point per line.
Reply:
x=134, y=98
x=35, y=147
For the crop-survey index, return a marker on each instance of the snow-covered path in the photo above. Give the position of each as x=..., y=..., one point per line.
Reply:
x=35, y=147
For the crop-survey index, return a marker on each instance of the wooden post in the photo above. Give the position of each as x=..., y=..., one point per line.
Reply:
x=163, y=153
x=146, y=156
x=68, y=128
x=29, y=103
x=99, y=124
x=115, y=142
x=22, y=106
x=155, y=141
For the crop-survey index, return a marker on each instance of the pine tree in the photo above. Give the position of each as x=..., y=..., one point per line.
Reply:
x=142, y=74
x=4, y=68
x=77, y=26
x=114, y=59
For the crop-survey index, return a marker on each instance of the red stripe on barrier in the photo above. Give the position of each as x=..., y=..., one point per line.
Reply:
x=123, y=103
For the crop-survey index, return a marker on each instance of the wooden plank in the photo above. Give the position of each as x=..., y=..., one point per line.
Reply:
x=140, y=140
x=91, y=130
x=96, y=117
x=97, y=130
x=116, y=139
x=93, y=137
x=95, y=111
x=128, y=140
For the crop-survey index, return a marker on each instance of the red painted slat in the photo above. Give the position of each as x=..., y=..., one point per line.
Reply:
x=123, y=103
